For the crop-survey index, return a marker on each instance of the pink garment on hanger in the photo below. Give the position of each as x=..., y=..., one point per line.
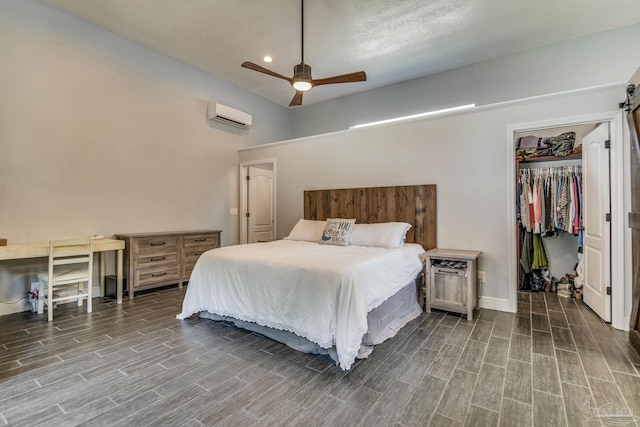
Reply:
x=537, y=203
x=576, y=216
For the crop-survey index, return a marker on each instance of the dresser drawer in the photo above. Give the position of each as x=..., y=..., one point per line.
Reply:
x=157, y=260
x=191, y=255
x=190, y=262
x=209, y=241
x=188, y=269
x=146, y=276
x=195, y=245
x=155, y=246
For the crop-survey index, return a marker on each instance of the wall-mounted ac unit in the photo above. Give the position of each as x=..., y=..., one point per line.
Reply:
x=231, y=116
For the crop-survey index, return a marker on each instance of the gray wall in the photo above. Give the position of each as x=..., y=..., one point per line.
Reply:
x=99, y=135
x=585, y=62
x=32, y=19
x=465, y=155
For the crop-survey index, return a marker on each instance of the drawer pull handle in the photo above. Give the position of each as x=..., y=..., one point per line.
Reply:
x=450, y=272
x=158, y=244
x=200, y=240
x=158, y=275
x=197, y=253
x=157, y=259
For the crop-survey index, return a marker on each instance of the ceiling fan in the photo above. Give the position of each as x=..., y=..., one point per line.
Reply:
x=301, y=80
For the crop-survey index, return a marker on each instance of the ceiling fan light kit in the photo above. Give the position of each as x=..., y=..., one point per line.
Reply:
x=302, y=77
x=302, y=80
x=302, y=85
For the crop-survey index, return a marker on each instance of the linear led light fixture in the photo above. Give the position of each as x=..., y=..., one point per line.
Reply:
x=415, y=116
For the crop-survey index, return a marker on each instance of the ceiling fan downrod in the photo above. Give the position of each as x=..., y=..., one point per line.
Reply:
x=301, y=71
x=301, y=80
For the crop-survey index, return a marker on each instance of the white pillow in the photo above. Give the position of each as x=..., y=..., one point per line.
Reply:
x=384, y=235
x=307, y=230
x=338, y=231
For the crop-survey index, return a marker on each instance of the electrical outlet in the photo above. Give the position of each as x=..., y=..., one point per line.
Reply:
x=233, y=211
x=482, y=278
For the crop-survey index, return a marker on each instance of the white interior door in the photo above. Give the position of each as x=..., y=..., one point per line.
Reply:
x=260, y=205
x=597, y=230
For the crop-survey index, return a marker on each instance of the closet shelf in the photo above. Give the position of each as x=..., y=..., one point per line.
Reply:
x=551, y=158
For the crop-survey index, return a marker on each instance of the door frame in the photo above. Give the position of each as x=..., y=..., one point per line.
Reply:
x=620, y=197
x=242, y=214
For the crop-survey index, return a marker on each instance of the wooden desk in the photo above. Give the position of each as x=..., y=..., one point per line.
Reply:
x=41, y=249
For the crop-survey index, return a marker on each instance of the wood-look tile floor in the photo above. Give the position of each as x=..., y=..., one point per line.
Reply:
x=551, y=364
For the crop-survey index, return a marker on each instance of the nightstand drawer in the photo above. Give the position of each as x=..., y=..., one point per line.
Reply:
x=449, y=287
x=450, y=271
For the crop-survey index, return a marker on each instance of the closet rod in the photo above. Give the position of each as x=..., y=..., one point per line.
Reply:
x=552, y=169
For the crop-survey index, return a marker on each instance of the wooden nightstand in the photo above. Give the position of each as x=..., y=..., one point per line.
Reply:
x=451, y=280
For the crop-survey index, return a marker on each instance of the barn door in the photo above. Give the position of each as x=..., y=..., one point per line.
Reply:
x=634, y=215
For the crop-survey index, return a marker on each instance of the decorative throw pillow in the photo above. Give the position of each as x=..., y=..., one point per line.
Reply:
x=307, y=230
x=338, y=231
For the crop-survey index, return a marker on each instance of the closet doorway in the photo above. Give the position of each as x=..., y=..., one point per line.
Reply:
x=602, y=256
x=257, y=201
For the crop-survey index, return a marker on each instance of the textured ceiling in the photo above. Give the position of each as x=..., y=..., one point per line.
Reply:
x=392, y=41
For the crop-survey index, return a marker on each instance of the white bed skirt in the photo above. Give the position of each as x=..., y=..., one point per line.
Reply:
x=383, y=322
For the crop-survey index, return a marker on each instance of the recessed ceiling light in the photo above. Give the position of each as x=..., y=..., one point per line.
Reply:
x=267, y=59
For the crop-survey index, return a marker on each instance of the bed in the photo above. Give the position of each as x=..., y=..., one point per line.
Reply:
x=339, y=299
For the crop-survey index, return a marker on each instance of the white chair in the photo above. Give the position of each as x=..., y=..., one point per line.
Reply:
x=70, y=264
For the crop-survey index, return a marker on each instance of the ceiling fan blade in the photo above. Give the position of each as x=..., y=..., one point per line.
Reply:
x=297, y=99
x=256, y=67
x=359, y=76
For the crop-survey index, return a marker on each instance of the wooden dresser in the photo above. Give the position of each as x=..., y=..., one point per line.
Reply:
x=165, y=258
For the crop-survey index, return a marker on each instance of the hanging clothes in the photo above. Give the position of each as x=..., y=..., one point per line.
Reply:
x=537, y=205
x=553, y=186
x=576, y=218
x=539, y=261
x=581, y=214
x=549, y=202
x=563, y=203
x=524, y=202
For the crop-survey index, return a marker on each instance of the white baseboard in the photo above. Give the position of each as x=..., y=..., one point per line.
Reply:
x=625, y=326
x=15, y=307
x=498, y=304
x=23, y=304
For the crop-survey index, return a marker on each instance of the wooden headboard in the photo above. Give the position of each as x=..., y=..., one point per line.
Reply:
x=415, y=204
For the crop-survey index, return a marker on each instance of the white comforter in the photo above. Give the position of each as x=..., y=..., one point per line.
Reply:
x=320, y=292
